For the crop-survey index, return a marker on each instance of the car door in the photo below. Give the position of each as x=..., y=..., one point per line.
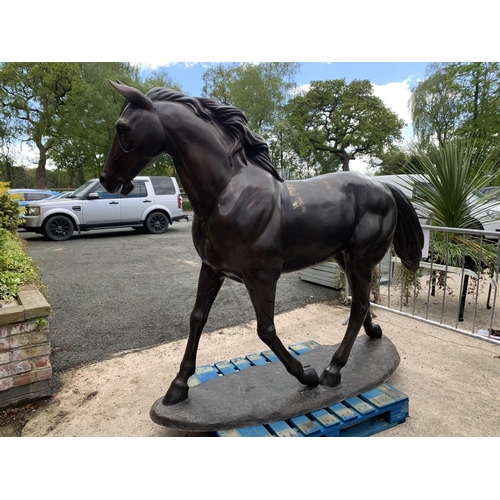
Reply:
x=102, y=211
x=136, y=203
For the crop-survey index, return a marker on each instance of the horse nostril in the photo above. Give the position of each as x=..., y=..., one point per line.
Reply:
x=102, y=179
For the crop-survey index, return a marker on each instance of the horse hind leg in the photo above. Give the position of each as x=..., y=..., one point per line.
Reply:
x=261, y=287
x=209, y=284
x=371, y=329
x=359, y=276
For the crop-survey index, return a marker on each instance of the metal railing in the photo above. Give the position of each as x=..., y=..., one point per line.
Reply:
x=455, y=287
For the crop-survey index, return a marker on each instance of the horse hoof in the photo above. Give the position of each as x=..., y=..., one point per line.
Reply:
x=330, y=379
x=309, y=377
x=175, y=394
x=375, y=332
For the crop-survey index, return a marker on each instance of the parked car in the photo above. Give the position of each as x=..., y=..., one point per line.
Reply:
x=29, y=195
x=154, y=203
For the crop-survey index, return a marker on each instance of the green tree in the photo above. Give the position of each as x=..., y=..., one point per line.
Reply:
x=160, y=78
x=6, y=164
x=459, y=101
x=259, y=90
x=435, y=107
x=478, y=87
x=92, y=110
x=340, y=122
x=396, y=161
x=283, y=154
x=33, y=99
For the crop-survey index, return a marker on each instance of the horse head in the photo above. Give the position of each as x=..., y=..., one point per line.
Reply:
x=139, y=140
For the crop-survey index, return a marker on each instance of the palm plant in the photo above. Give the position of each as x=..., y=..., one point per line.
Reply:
x=450, y=195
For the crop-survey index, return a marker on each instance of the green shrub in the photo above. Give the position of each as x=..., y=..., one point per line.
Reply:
x=186, y=205
x=9, y=209
x=16, y=268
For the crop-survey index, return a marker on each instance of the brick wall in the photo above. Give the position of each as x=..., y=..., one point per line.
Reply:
x=25, y=368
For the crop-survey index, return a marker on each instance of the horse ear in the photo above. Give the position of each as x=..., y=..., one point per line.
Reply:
x=134, y=95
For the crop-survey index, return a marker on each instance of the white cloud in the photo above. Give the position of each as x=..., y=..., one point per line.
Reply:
x=395, y=96
x=358, y=165
x=155, y=65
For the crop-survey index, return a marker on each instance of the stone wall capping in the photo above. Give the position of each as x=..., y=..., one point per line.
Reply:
x=25, y=368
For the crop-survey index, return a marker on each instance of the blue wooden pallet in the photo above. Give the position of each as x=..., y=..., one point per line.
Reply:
x=369, y=413
x=364, y=415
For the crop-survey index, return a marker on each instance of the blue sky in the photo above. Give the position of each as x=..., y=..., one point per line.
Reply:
x=189, y=75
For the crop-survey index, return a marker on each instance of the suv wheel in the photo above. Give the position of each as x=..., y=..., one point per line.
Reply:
x=58, y=228
x=156, y=222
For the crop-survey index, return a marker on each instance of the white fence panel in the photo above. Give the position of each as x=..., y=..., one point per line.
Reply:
x=452, y=289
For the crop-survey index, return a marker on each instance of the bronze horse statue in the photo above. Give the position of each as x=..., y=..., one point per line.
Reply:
x=250, y=225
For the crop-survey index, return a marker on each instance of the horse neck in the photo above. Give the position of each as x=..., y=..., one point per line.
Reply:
x=204, y=176
x=200, y=150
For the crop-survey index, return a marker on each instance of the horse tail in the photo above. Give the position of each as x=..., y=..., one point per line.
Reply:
x=408, y=237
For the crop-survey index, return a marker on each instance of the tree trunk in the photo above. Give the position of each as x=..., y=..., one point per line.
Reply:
x=345, y=163
x=7, y=166
x=80, y=175
x=41, y=173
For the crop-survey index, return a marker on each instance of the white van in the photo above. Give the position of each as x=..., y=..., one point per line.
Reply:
x=154, y=203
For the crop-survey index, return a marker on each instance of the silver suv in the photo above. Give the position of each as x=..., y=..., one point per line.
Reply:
x=154, y=203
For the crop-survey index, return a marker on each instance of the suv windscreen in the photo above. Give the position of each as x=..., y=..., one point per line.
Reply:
x=82, y=190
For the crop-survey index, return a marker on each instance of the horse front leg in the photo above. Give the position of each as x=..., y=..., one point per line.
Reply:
x=261, y=286
x=359, y=281
x=209, y=284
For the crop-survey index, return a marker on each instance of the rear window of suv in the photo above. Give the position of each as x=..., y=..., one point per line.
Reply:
x=163, y=185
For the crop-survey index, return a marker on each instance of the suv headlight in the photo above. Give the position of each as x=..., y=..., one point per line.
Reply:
x=32, y=210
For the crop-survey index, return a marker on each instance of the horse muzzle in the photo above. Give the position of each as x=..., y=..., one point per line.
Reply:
x=113, y=184
x=127, y=188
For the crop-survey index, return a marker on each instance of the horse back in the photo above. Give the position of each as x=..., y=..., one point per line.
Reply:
x=321, y=216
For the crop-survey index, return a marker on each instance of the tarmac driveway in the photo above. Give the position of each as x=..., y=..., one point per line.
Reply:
x=119, y=290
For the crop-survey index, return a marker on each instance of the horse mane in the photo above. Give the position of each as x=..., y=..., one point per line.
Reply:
x=229, y=117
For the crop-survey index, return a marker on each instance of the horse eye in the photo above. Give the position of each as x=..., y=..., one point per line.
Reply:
x=121, y=129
